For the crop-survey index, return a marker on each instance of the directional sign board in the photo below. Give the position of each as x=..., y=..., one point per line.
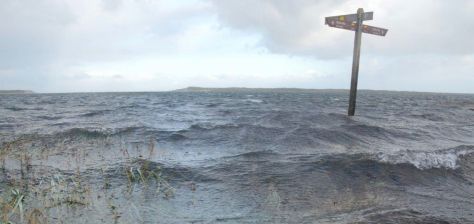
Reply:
x=350, y=17
x=353, y=26
x=342, y=25
x=354, y=22
x=374, y=30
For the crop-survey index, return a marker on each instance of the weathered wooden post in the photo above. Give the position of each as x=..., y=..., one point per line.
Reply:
x=355, y=22
x=355, y=63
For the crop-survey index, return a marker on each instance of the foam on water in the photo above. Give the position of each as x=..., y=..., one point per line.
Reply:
x=427, y=160
x=254, y=100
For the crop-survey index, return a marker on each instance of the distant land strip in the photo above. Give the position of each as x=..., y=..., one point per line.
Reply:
x=3, y=92
x=244, y=89
x=194, y=89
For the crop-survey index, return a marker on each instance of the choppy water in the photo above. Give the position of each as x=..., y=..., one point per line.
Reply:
x=251, y=157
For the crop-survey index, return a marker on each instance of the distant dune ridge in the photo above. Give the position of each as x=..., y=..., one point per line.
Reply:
x=16, y=92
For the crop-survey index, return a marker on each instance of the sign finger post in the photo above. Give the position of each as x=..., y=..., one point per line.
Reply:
x=354, y=22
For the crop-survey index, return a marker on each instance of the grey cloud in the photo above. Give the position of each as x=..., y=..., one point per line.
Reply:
x=111, y=5
x=288, y=27
x=297, y=27
x=117, y=76
x=40, y=40
x=132, y=29
x=34, y=32
x=80, y=75
x=45, y=45
x=438, y=73
x=428, y=46
x=31, y=31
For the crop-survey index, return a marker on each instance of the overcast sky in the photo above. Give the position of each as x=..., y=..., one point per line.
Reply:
x=154, y=45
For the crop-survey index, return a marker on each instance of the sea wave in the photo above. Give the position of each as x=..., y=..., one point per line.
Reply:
x=95, y=113
x=16, y=108
x=446, y=158
x=422, y=160
x=96, y=132
x=254, y=100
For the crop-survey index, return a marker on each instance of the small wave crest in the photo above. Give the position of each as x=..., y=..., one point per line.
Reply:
x=16, y=108
x=95, y=113
x=253, y=100
x=96, y=133
x=447, y=158
x=422, y=160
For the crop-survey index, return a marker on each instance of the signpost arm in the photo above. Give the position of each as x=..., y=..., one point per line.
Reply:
x=355, y=62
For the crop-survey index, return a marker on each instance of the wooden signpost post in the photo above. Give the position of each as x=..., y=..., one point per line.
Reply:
x=354, y=22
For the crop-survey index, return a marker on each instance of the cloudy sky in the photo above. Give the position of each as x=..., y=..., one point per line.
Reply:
x=155, y=45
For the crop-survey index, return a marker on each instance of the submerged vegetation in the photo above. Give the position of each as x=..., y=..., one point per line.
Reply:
x=145, y=175
x=34, y=190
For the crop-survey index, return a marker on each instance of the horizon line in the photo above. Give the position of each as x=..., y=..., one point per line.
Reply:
x=233, y=87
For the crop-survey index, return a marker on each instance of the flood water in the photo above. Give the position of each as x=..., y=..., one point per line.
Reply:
x=237, y=157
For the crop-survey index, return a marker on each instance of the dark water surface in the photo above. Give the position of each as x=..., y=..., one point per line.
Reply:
x=251, y=157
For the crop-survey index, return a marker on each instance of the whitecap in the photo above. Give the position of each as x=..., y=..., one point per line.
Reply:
x=254, y=100
x=427, y=159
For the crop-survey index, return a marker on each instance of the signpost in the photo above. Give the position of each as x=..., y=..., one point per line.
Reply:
x=354, y=22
